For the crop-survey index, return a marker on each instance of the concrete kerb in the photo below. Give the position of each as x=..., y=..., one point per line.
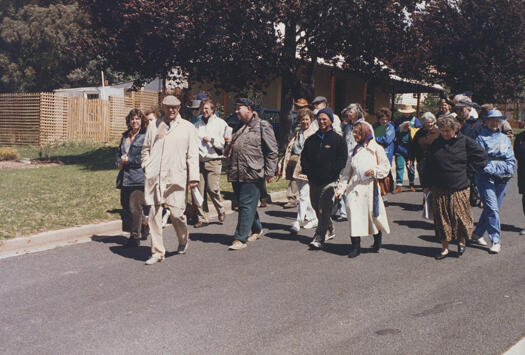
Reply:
x=77, y=235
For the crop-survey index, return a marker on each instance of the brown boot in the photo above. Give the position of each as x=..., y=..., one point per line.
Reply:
x=397, y=190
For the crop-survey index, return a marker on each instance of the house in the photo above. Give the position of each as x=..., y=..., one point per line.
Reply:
x=340, y=87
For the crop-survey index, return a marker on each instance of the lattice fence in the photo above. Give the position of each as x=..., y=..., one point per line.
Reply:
x=46, y=117
x=19, y=118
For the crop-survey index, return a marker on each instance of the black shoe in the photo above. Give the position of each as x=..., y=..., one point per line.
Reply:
x=377, y=242
x=461, y=249
x=441, y=255
x=356, y=247
x=133, y=242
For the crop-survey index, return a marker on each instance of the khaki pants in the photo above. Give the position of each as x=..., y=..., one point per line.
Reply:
x=210, y=173
x=178, y=220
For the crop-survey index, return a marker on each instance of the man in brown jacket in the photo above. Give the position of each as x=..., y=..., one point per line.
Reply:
x=170, y=159
x=253, y=158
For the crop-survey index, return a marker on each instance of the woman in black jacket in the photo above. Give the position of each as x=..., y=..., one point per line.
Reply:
x=449, y=159
x=130, y=179
x=519, y=153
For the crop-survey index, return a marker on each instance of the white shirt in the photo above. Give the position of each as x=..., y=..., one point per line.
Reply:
x=214, y=130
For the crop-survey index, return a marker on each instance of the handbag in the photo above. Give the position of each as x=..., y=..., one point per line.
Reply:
x=385, y=184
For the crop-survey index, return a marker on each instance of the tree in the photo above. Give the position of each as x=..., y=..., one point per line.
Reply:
x=476, y=45
x=241, y=44
x=36, y=38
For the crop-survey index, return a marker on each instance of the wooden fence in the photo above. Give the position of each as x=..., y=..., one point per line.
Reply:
x=47, y=117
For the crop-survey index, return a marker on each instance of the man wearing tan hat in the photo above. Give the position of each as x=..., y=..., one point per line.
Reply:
x=170, y=159
x=402, y=143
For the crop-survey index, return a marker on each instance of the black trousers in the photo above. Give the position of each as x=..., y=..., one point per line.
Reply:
x=132, y=201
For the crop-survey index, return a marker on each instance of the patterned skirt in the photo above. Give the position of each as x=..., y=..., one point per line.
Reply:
x=452, y=214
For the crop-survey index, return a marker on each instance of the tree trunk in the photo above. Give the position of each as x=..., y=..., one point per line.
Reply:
x=289, y=84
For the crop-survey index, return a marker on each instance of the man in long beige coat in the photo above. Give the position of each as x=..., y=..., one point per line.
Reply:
x=170, y=159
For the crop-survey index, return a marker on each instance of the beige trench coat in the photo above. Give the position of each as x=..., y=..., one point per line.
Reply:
x=297, y=172
x=360, y=190
x=170, y=159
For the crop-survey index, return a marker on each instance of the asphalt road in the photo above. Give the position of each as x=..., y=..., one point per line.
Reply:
x=274, y=297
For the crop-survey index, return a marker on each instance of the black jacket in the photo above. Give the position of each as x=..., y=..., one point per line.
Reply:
x=448, y=162
x=322, y=159
x=519, y=153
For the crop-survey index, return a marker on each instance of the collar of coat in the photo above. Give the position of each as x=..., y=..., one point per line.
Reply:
x=253, y=121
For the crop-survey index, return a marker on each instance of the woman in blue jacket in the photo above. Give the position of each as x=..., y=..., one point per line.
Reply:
x=385, y=132
x=130, y=179
x=492, y=180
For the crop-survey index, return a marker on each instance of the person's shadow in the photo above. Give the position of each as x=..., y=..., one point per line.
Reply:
x=141, y=253
x=417, y=224
x=406, y=206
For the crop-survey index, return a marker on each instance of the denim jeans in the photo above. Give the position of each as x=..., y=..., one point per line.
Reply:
x=248, y=194
x=400, y=171
x=491, y=195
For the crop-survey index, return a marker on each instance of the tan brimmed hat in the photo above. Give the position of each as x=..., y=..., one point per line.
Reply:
x=171, y=100
x=301, y=102
x=407, y=109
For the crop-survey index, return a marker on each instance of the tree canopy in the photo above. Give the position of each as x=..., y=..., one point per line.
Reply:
x=476, y=45
x=36, y=41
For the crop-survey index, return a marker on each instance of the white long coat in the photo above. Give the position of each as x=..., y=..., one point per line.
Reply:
x=359, y=190
x=170, y=158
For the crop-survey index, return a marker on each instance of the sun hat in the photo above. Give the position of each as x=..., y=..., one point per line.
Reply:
x=301, y=102
x=195, y=104
x=407, y=109
x=496, y=114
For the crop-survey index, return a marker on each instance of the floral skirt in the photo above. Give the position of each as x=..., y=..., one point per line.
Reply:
x=452, y=214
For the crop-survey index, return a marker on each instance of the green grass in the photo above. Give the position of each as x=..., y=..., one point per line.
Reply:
x=80, y=192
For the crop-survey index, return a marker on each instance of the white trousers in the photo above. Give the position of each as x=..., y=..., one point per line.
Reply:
x=305, y=211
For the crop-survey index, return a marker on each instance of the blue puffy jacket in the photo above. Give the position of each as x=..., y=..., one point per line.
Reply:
x=501, y=163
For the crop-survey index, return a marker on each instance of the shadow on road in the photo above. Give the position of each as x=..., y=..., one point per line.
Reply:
x=510, y=228
x=141, y=253
x=282, y=214
x=412, y=249
x=224, y=239
x=406, y=206
x=416, y=224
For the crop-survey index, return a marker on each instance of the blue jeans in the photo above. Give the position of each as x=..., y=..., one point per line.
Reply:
x=400, y=171
x=248, y=194
x=491, y=195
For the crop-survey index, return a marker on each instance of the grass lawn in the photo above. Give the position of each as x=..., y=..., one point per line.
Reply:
x=81, y=191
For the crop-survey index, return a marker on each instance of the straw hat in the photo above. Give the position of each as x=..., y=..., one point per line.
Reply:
x=301, y=103
x=407, y=109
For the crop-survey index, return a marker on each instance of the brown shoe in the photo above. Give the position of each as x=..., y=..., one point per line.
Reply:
x=397, y=190
x=200, y=224
x=222, y=217
x=412, y=188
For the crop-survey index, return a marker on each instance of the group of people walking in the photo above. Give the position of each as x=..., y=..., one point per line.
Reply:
x=333, y=165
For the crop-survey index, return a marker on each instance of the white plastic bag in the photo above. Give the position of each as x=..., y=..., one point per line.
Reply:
x=427, y=206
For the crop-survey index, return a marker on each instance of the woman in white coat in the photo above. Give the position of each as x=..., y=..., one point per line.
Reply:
x=366, y=210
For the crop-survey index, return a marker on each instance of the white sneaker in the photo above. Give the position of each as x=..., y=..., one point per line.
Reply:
x=476, y=239
x=495, y=248
x=295, y=227
x=329, y=235
x=316, y=244
x=155, y=258
x=254, y=236
x=311, y=224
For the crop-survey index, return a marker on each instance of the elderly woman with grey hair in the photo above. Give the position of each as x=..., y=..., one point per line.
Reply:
x=449, y=159
x=422, y=141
